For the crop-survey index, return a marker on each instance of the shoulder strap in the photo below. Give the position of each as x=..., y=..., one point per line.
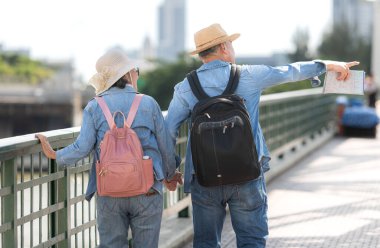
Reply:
x=198, y=91
x=234, y=79
x=106, y=111
x=133, y=110
x=196, y=86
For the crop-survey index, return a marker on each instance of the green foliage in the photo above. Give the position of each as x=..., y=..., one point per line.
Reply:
x=344, y=44
x=305, y=84
x=300, y=53
x=20, y=68
x=159, y=83
x=301, y=43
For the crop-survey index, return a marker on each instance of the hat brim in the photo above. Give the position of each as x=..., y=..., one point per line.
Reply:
x=215, y=42
x=102, y=83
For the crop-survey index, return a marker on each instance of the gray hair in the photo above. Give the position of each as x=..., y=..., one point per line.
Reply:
x=209, y=51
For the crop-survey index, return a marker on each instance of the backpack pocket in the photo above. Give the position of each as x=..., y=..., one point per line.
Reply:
x=116, y=177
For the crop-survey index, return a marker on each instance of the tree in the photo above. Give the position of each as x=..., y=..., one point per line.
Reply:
x=344, y=44
x=20, y=68
x=301, y=53
x=159, y=83
x=301, y=43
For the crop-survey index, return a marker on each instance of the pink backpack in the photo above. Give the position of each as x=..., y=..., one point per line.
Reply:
x=122, y=169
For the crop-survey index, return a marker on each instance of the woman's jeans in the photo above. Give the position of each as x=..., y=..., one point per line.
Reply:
x=247, y=204
x=141, y=213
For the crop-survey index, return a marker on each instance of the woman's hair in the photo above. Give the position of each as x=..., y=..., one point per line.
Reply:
x=209, y=51
x=121, y=83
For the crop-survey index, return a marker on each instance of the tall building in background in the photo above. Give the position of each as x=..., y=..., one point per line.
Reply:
x=172, y=29
x=358, y=14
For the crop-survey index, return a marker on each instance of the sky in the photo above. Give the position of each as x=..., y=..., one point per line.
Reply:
x=82, y=30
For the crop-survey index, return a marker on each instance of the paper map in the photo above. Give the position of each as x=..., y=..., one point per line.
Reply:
x=354, y=85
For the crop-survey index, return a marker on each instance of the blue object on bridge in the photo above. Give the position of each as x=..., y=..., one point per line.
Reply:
x=360, y=117
x=356, y=102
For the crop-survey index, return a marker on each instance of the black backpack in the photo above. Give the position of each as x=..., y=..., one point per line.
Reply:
x=222, y=145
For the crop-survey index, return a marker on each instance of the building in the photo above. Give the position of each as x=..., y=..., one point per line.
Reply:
x=358, y=14
x=171, y=30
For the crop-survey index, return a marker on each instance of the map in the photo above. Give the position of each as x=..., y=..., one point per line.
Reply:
x=354, y=85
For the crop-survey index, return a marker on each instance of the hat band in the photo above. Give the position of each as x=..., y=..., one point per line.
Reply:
x=211, y=41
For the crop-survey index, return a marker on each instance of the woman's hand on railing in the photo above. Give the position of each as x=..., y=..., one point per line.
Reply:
x=46, y=147
x=172, y=183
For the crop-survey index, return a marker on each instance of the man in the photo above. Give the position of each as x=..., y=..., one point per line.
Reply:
x=247, y=201
x=370, y=89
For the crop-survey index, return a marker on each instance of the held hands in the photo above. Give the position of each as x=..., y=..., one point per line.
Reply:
x=172, y=183
x=342, y=68
x=46, y=148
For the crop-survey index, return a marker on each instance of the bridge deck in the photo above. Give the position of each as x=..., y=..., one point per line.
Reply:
x=329, y=199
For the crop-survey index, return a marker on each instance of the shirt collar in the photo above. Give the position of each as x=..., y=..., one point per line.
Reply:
x=213, y=64
x=114, y=90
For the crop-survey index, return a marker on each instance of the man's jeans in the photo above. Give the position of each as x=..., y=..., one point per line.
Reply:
x=247, y=203
x=141, y=213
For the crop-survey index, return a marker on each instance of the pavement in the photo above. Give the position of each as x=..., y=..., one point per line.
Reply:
x=330, y=199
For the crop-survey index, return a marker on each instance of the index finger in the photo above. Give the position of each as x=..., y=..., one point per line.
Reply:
x=352, y=63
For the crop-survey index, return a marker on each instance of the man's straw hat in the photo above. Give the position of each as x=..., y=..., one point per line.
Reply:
x=110, y=67
x=211, y=36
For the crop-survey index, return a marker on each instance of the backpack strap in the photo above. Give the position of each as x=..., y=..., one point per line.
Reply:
x=133, y=110
x=106, y=111
x=200, y=94
x=234, y=80
x=196, y=86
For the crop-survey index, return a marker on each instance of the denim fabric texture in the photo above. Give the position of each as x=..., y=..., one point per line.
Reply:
x=141, y=213
x=253, y=80
x=247, y=202
x=148, y=124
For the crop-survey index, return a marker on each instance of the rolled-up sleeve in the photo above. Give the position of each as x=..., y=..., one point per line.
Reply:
x=82, y=146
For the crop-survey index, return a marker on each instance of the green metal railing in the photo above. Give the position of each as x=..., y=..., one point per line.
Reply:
x=290, y=116
x=43, y=206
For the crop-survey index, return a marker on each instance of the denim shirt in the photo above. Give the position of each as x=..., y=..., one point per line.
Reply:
x=148, y=124
x=253, y=80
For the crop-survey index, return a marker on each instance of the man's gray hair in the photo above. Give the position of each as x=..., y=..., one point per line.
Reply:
x=209, y=51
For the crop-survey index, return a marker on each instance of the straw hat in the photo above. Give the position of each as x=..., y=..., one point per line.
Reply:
x=211, y=36
x=110, y=67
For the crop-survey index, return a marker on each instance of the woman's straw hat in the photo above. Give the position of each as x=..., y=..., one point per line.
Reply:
x=110, y=67
x=211, y=36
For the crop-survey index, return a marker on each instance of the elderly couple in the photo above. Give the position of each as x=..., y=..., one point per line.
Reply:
x=115, y=81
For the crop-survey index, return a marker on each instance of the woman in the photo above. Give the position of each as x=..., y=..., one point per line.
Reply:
x=116, y=82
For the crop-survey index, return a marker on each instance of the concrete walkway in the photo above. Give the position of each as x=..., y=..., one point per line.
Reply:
x=329, y=199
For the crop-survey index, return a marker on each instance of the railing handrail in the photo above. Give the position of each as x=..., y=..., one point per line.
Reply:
x=10, y=144
x=286, y=119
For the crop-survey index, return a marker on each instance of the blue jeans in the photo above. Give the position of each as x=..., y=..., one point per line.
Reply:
x=141, y=213
x=247, y=203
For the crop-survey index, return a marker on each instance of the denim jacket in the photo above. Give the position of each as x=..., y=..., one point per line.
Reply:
x=253, y=80
x=148, y=124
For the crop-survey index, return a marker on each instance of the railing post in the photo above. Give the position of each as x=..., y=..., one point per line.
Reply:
x=9, y=203
x=63, y=215
x=60, y=220
x=52, y=200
